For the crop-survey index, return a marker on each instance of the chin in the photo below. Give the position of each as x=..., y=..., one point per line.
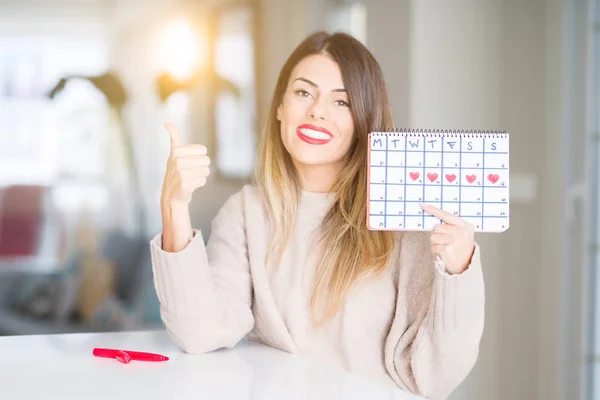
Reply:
x=313, y=159
x=311, y=155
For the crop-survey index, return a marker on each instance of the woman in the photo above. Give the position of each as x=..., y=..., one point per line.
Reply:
x=290, y=261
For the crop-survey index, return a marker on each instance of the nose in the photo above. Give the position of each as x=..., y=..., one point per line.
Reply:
x=317, y=112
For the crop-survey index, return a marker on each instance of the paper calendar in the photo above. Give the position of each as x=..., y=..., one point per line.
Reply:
x=462, y=172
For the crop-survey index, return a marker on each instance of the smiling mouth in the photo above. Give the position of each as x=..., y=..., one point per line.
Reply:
x=314, y=135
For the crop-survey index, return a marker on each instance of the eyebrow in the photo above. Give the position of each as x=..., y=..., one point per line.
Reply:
x=315, y=85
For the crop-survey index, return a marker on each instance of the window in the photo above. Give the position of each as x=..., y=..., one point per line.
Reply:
x=350, y=17
x=235, y=109
x=34, y=129
x=593, y=346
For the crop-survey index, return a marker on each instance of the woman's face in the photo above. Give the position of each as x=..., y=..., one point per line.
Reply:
x=316, y=122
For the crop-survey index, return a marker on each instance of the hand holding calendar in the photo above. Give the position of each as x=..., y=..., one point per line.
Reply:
x=453, y=241
x=464, y=173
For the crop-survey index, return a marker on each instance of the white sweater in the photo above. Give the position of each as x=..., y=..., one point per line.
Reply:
x=414, y=325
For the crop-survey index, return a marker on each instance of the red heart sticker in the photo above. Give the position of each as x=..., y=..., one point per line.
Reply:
x=493, y=178
x=450, y=177
x=471, y=178
x=414, y=176
x=432, y=176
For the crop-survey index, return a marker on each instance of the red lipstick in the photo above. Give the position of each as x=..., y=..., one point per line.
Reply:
x=312, y=140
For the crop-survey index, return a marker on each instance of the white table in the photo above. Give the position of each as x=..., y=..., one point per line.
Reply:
x=62, y=367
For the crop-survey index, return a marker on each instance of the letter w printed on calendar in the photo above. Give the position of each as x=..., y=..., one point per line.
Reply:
x=462, y=172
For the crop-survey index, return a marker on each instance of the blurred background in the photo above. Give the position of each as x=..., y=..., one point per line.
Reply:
x=85, y=87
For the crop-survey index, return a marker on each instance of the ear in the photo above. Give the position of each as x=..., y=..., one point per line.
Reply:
x=279, y=113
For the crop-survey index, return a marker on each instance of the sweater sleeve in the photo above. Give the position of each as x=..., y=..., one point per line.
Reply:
x=205, y=293
x=432, y=359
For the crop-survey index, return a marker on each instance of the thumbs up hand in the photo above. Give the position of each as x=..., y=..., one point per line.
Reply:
x=187, y=169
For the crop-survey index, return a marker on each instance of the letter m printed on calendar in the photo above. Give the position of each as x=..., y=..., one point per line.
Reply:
x=465, y=173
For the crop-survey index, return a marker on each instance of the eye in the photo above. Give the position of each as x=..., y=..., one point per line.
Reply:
x=342, y=103
x=302, y=93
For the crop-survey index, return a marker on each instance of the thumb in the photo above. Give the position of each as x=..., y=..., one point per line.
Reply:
x=174, y=135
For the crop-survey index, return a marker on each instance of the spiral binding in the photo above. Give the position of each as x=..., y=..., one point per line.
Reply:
x=442, y=133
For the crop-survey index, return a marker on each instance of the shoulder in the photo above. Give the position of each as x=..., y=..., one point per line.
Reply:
x=241, y=214
x=246, y=199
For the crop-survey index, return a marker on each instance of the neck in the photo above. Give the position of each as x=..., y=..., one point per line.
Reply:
x=318, y=178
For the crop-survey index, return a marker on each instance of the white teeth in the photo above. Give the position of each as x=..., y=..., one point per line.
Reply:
x=314, y=134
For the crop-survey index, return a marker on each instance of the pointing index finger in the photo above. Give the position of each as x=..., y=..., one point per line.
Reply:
x=443, y=215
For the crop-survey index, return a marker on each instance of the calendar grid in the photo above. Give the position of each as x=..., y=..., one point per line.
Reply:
x=424, y=165
x=387, y=141
x=436, y=184
x=442, y=177
x=404, y=196
x=439, y=151
x=447, y=201
x=470, y=181
x=464, y=168
x=483, y=185
x=460, y=177
x=419, y=216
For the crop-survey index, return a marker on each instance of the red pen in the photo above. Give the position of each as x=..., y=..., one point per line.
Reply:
x=135, y=355
x=122, y=357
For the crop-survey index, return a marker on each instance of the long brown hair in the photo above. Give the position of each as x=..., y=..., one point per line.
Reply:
x=351, y=250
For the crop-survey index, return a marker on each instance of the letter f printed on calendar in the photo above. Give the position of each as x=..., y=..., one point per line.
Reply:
x=465, y=173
